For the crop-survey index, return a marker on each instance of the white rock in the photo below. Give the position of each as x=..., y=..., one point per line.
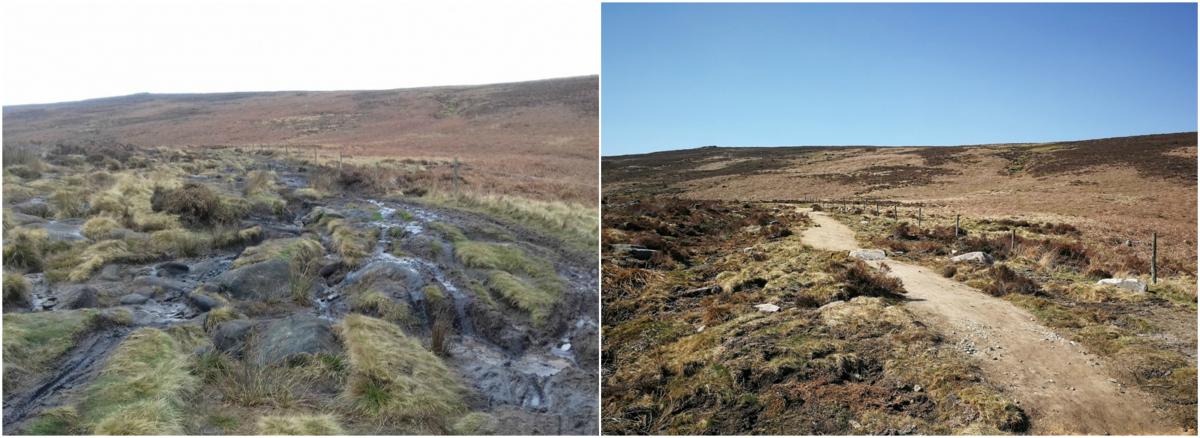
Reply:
x=766, y=308
x=1132, y=284
x=868, y=254
x=973, y=257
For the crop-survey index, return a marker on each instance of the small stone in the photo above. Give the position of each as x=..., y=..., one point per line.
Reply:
x=868, y=254
x=203, y=302
x=769, y=308
x=978, y=257
x=1131, y=284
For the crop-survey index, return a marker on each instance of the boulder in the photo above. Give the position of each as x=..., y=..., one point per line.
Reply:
x=978, y=257
x=134, y=298
x=260, y=281
x=203, y=302
x=294, y=335
x=82, y=297
x=34, y=207
x=111, y=273
x=1131, y=284
x=19, y=218
x=868, y=254
x=171, y=269
x=391, y=278
x=230, y=336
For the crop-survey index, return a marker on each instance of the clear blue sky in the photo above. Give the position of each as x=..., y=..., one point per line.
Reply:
x=685, y=75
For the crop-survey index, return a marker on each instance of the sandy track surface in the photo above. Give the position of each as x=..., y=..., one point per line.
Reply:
x=1063, y=388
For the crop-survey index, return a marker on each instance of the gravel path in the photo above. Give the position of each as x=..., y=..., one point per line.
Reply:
x=1063, y=388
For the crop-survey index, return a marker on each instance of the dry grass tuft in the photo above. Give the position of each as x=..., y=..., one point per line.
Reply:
x=141, y=388
x=303, y=424
x=394, y=380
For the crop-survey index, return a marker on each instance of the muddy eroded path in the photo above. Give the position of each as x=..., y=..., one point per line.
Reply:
x=1062, y=387
x=533, y=378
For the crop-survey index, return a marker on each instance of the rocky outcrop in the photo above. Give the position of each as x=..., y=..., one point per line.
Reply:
x=81, y=297
x=260, y=281
x=291, y=336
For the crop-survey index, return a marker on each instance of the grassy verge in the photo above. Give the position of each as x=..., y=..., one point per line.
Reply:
x=1050, y=270
x=687, y=350
x=574, y=224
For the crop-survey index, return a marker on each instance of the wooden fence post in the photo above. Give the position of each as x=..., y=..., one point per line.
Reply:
x=1012, y=240
x=1154, y=258
x=918, y=218
x=956, y=218
x=455, y=176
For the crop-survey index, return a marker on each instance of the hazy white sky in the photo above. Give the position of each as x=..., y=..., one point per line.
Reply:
x=55, y=50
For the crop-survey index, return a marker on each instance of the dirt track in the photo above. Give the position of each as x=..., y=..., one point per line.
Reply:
x=1063, y=388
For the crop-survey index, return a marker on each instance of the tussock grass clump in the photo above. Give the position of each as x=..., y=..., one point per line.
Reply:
x=451, y=232
x=140, y=390
x=69, y=203
x=476, y=423
x=352, y=244
x=33, y=341
x=289, y=249
x=196, y=205
x=23, y=171
x=376, y=304
x=309, y=194
x=219, y=315
x=1005, y=281
x=248, y=385
x=99, y=227
x=536, y=301
x=177, y=243
x=299, y=425
x=858, y=279
x=24, y=249
x=60, y=420
x=394, y=380
x=260, y=189
x=79, y=263
x=524, y=281
x=16, y=290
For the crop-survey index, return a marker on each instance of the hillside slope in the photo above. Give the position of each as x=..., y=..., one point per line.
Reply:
x=1119, y=188
x=537, y=138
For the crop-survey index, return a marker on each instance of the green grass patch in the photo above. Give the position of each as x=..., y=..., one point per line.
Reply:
x=34, y=341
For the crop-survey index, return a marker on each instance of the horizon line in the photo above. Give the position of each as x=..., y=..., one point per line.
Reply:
x=1010, y=143
x=160, y=94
